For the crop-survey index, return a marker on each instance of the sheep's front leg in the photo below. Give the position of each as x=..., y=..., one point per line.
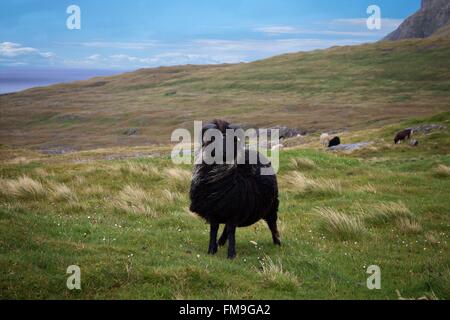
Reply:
x=213, y=238
x=231, y=231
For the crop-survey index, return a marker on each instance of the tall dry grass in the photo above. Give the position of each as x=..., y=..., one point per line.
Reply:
x=178, y=174
x=24, y=187
x=274, y=272
x=61, y=192
x=138, y=168
x=171, y=196
x=301, y=184
x=385, y=212
x=302, y=163
x=442, y=171
x=135, y=200
x=408, y=225
x=339, y=225
x=177, y=178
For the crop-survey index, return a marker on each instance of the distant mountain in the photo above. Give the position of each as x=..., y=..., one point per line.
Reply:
x=433, y=19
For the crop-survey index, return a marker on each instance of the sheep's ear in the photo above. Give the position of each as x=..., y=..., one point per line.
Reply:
x=234, y=127
x=208, y=126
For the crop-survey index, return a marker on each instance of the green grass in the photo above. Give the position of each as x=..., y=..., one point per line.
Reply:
x=126, y=224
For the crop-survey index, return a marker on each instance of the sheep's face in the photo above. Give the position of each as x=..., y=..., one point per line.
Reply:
x=220, y=142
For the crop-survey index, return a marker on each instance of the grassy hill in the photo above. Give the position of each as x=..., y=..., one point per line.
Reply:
x=126, y=224
x=443, y=32
x=340, y=88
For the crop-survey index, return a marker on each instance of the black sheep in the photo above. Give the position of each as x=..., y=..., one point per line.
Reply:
x=334, y=142
x=234, y=194
x=403, y=135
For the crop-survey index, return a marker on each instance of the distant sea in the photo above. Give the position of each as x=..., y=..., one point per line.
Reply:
x=13, y=80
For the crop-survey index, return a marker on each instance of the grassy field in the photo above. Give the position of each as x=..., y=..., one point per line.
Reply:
x=353, y=87
x=125, y=222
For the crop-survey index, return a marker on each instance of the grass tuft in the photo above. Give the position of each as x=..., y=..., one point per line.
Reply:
x=339, y=225
x=60, y=191
x=273, y=272
x=178, y=174
x=407, y=225
x=24, y=187
x=302, y=184
x=385, y=212
x=133, y=199
x=442, y=171
x=139, y=169
x=302, y=163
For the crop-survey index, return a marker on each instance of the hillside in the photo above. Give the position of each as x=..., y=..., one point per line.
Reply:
x=351, y=87
x=432, y=18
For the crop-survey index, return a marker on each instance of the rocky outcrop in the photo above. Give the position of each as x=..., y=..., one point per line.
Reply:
x=433, y=17
x=428, y=128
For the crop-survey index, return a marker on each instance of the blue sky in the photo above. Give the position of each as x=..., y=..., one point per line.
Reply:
x=132, y=34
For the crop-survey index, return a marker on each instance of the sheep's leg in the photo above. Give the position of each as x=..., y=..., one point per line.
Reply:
x=231, y=231
x=223, y=238
x=272, y=223
x=213, y=238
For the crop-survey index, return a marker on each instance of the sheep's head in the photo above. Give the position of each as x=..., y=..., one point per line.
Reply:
x=220, y=140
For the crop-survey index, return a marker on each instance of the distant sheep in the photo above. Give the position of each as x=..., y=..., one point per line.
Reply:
x=235, y=194
x=325, y=139
x=403, y=135
x=414, y=143
x=334, y=142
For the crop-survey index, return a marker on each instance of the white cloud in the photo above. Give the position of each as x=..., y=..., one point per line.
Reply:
x=269, y=47
x=356, y=27
x=94, y=57
x=11, y=49
x=120, y=45
x=47, y=54
x=277, y=30
x=387, y=23
x=16, y=50
x=209, y=51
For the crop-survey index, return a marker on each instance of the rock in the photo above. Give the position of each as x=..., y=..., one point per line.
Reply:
x=57, y=151
x=349, y=147
x=428, y=128
x=433, y=17
x=131, y=132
